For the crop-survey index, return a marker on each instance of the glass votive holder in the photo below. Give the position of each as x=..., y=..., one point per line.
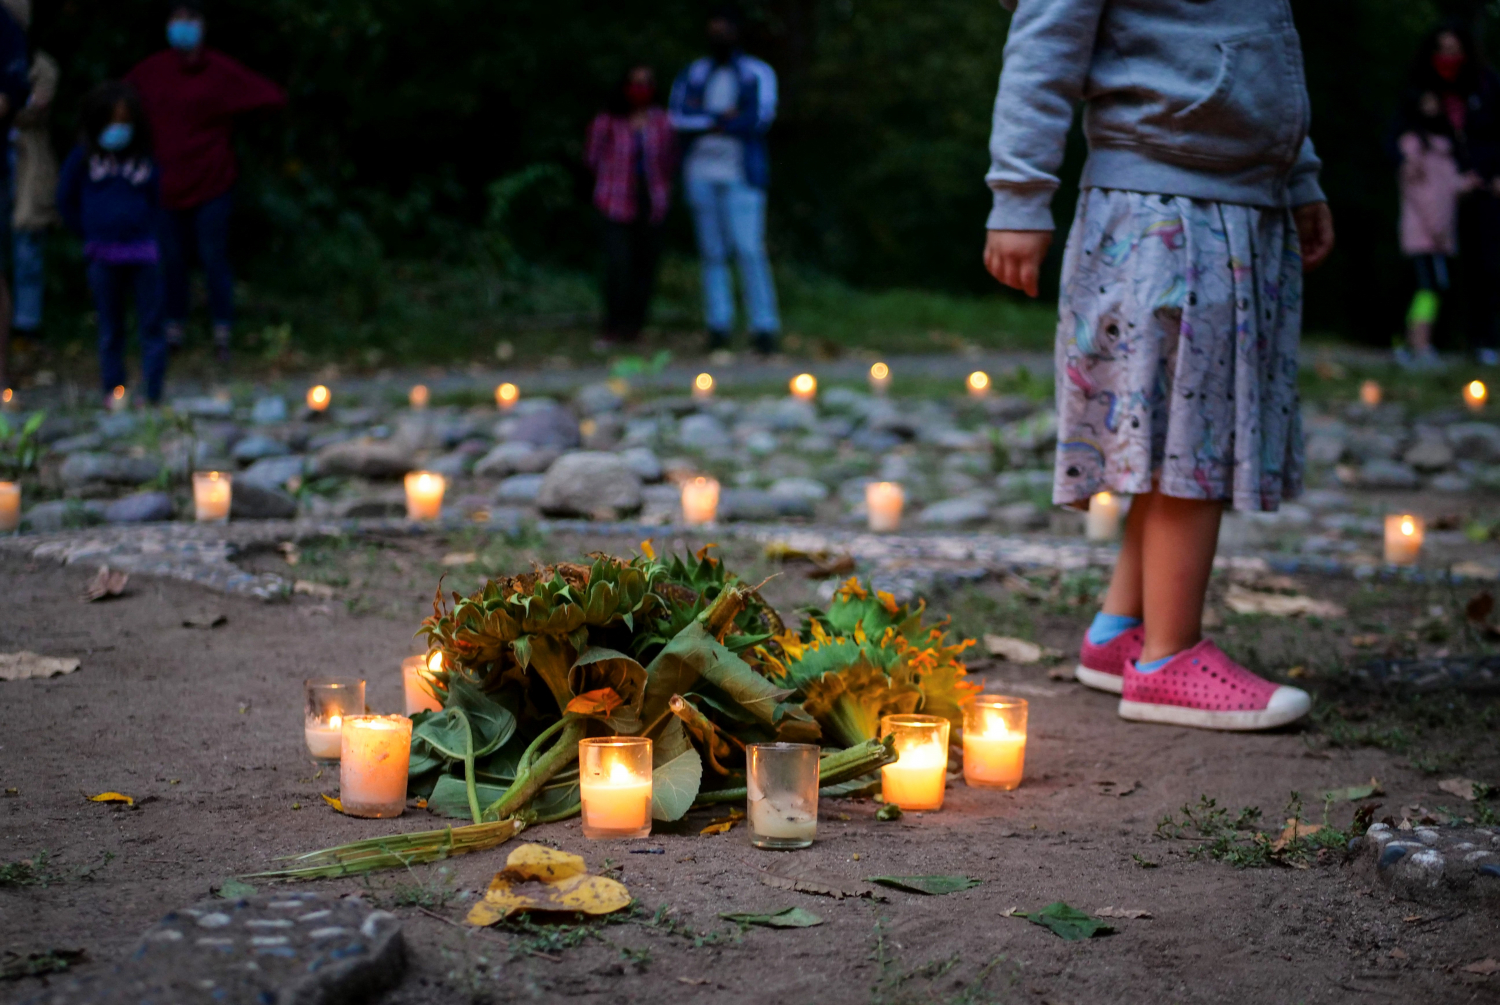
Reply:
x=994, y=741
x=782, y=779
x=916, y=780
x=211, y=496
x=614, y=785
x=418, y=677
x=330, y=700
x=424, y=495
x=373, y=764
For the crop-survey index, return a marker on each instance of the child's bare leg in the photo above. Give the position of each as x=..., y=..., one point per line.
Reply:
x=1124, y=596
x=1178, y=540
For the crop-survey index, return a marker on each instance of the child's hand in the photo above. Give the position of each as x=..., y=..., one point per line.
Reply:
x=1314, y=233
x=1015, y=257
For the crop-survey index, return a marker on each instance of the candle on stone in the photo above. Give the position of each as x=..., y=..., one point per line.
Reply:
x=10, y=506
x=703, y=385
x=329, y=700
x=700, y=500
x=119, y=400
x=318, y=398
x=418, y=396
x=373, y=763
x=1369, y=393
x=1403, y=538
x=1103, y=520
x=994, y=741
x=781, y=782
x=614, y=785
x=417, y=676
x=7, y=397
x=506, y=396
x=883, y=501
x=424, y=495
x=804, y=387
x=880, y=378
x=917, y=779
x=1475, y=395
x=978, y=384
x=211, y=495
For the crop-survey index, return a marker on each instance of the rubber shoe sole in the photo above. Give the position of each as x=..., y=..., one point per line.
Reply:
x=1099, y=680
x=1287, y=704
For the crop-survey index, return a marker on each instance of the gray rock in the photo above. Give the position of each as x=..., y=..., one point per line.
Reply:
x=703, y=432
x=1035, y=433
x=896, y=468
x=1475, y=441
x=948, y=438
x=1383, y=474
x=955, y=512
x=328, y=439
x=602, y=431
x=1428, y=455
x=1450, y=482
x=82, y=468
x=816, y=443
x=365, y=458
x=1372, y=445
x=760, y=442
x=249, y=501
x=552, y=426
x=874, y=441
x=641, y=431
x=1238, y=534
x=589, y=483
x=790, y=414
x=1018, y=483
x=643, y=462
x=799, y=488
x=83, y=441
x=519, y=490
x=837, y=427
x=450, y=465
x=362, y=416
x=204, y=407
x=139, y=507
x=758, y=504
x=1021, y=516
x=271, y=472
x=255, y=446
x=1009, y=407
x=382, y=505
x=115, y=425
x=63, y=514
x=1324, y=448
x=592, y=399
x=515, y=457
x=268, y=410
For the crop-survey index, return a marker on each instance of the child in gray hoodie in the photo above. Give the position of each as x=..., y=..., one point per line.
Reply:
x=1180, y=311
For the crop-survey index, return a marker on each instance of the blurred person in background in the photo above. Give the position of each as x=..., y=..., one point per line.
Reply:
x=192, y=95
x=15, y=87
x=723, y=105
x=632, y=151
x=35, y=209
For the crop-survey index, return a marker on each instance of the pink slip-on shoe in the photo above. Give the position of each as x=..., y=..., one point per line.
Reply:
x=1103, y=667
x=1202, y=687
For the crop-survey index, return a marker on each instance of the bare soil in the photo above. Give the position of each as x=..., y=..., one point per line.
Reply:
x=202, y=728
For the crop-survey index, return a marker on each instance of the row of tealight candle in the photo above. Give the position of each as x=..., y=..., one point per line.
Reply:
x=1475, y=394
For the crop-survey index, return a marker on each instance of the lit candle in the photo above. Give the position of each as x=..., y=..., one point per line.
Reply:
x=781, y=782
x=329, y=701
x=917, y=779
x=211, y=495
x=373, y=763
x=614, y=785
x=1403, y=538
x=1369, y=393
x=318, y=397
x=703, y=385
x=1475, y=395
x=417, y=676
x=506, y=396
x=424, y=495
x=417, y=396
x=324, y=739
x=118, y=399
x=883, y=501
x=700, y=500
x=994, y=741
x=804, y=387
x=880, y=378
x=10, y=506
x=7, y=397
x=978, y=384
x=1103, y=520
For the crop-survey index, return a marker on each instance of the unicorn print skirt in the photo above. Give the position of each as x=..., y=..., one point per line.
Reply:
x=1177, y=351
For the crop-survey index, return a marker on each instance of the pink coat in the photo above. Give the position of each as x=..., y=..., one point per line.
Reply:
x=1430, y=187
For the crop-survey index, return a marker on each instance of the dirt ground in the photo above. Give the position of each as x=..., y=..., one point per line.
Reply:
x=203, y=728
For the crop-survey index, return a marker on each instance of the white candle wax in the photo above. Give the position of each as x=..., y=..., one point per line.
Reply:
x=700, y=500
x=618, y=803
x=1403, y=539
x=424, y=495
x=783, y=818
x=880, y=378
x=995, y=758
x=917, y=780
x=417, y=396
x=10, y=506
x=416, y=681
x=324, y=739
x=373, y=765
x=1103, y=520
x=212, y=492
x=883, y=501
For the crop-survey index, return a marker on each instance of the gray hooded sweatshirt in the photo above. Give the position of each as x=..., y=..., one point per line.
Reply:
x=1197, y=98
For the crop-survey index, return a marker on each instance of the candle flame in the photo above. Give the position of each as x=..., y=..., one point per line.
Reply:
x=1104, y=498
x=804, y=385
x=923, y=754
x=1476, y=391
x=1408, y=526
x=336, y=721
x=119, y=392
x=317, y=398
x=996, y=728
x=506, y=395
x=880, y=371
x=418, y=396
x=435, y=662
x=619, y=774
x=6, y=395
x=1369, y=393
x=704, y=382
x=979, y=381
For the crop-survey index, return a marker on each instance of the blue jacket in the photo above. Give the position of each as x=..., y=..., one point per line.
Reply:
x=754, y=113
x=108, y=200
x=1197, y=98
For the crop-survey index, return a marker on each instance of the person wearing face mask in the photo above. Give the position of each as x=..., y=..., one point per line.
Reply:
x=722, y=106
x=109, y=194
x=192, y=95
x=631, y=150
x=15, y=88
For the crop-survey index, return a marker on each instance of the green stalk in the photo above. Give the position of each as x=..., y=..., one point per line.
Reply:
x=837, y=767
x=469, y=780
x=535, y=745
x=395, y=850
x=530, y=780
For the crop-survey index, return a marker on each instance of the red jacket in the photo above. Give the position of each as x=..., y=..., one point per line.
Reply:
x=191, y=106
x=613, y=153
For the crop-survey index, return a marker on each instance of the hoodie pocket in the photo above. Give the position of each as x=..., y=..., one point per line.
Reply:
x=1256, y=108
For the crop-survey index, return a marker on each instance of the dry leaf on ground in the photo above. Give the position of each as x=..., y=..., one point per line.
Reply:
x=723, y=825
x=321, y=590
x=537, y=878
x=1463, y=788
x=790, y=876
x=1295, y=829
x=1280, y=605
x=460, y=558
x=1123, y=912
x=546, y=865
x=26, y=664
x=205, y=619
x=1012, y=649
x=112, y=797
x=1485, y=967
x=334, y=801
x=107, y=582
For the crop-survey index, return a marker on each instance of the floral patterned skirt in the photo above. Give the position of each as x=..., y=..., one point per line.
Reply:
x=1177, y=351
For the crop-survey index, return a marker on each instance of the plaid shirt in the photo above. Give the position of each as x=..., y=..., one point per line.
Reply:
x=611, y=153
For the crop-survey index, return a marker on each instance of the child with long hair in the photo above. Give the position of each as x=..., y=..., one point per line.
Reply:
x=108, y=193
x=1180, y=310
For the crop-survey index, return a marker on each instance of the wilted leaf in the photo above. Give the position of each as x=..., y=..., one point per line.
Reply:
x=1295, y=830
x=1353, y=793
x=600, y=702
x=538, y=862
x=723, y=825
x=334, y=801
x=583, y=893
x=234, y=889
x=806, y=879
x=1485, y=967
x=1122, y=912
x=1012, y=649
x=675, y=784
x=112, y=797
x=791, y=917
x=24, y=664
x=888, y=812
x=932, y=885
x=1464, y=788
x=107, y=582
x=1066, y=922
x=1281, y=605
x=459, y=558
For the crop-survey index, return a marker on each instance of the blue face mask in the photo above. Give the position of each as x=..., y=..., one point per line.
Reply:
x=185, y=34
x=116, y=136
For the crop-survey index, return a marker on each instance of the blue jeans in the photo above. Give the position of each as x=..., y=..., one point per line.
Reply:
x=110, y=285
x=28, y=253
x=732, y=216
x=206, y=229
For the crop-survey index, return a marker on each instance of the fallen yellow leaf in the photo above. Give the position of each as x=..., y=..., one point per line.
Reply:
x=112, y=797
x=333, y=801
x=1295, y=829
x=723, y=825
x=537, y=878
x=538, y=862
